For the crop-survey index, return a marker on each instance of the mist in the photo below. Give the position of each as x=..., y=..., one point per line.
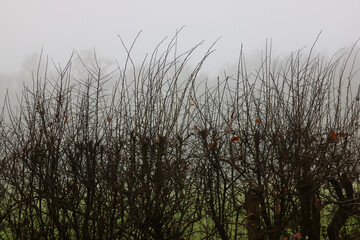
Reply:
x=57, y=29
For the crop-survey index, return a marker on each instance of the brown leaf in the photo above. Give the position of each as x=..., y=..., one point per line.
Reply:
x=185, y=165
x=341, y=134
x=213, y=145
x=196, y=128
x=235, y=138
x=297, y=235
x=333, y=137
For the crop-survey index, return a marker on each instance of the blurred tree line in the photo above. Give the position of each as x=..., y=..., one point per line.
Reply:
x=271, y=153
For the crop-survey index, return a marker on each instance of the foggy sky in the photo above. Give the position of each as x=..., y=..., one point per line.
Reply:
x=61, y=26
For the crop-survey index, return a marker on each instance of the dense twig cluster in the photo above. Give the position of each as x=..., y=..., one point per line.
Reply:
x=271, y=154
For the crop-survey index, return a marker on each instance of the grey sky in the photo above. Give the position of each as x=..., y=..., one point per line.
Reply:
x=60, y=26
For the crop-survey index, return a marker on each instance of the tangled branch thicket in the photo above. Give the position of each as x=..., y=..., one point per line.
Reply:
x=267, y=154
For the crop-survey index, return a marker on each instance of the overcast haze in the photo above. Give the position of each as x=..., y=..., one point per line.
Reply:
x=61, y=26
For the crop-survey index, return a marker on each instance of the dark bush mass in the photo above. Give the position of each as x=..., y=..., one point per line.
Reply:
x=271, y=153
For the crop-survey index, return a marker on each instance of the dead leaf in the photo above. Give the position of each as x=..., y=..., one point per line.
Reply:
x=213, y=145
x=333, y=137
x=297, y=235
x=341, y=134
x=196, y=128
x=235, y=138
